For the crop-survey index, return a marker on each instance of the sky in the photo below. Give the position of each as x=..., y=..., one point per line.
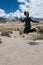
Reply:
x=9, y=5
x=15, y=8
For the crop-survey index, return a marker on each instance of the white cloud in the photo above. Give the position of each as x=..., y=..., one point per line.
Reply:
x=36, y=8
x=10, y=15
x=27, y=4
x=2, y=13
x=23, y=7
x=22, y=1
x=17, y=14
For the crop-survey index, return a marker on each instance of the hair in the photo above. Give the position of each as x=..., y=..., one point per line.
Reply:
x=26, y=12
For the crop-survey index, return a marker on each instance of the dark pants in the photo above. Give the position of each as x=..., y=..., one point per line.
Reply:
x=28, y=29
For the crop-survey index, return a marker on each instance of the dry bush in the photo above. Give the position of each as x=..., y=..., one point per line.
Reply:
x=20, y=32
x=10, y=31
x=39, y=29
x=5, y=33
x=16, y=34
x=33, y=36
x=38, y=37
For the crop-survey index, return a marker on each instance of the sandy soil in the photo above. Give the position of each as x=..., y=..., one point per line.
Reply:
x=18, y=51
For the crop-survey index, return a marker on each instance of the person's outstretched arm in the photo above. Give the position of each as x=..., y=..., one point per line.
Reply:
x=34, y=21
x=22, y=20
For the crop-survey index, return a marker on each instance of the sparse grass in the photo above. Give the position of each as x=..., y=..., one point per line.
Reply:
x=7, y=29
x=39, y=29
x=20, y=32
x=33, y=36
x=5, y=33
x=40, y=37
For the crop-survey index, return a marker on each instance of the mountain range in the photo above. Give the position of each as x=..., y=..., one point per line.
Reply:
x=18, y=19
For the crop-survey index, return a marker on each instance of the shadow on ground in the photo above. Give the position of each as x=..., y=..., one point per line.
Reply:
x=33, y=43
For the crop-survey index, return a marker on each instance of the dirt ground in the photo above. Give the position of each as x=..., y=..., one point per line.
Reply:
x=18, y=51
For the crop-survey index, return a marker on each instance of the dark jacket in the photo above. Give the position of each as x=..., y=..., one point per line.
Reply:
x=27, y=21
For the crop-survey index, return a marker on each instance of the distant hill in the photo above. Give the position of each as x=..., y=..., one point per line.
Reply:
x=37, y=19
x=18, y=19
x=6, y=19
x=1, y=18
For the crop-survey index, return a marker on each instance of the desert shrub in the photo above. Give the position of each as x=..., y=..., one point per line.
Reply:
x=5, y=33
x=40, y=37
x=16, y=34
x=39, y=29
x=20, y=32
x=33, y=36
x=11, y=32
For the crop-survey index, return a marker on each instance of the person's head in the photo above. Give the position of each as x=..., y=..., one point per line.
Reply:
x=26, y=13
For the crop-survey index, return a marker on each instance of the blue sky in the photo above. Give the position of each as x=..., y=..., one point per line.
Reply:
x=9, y=5
x=15, y=8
